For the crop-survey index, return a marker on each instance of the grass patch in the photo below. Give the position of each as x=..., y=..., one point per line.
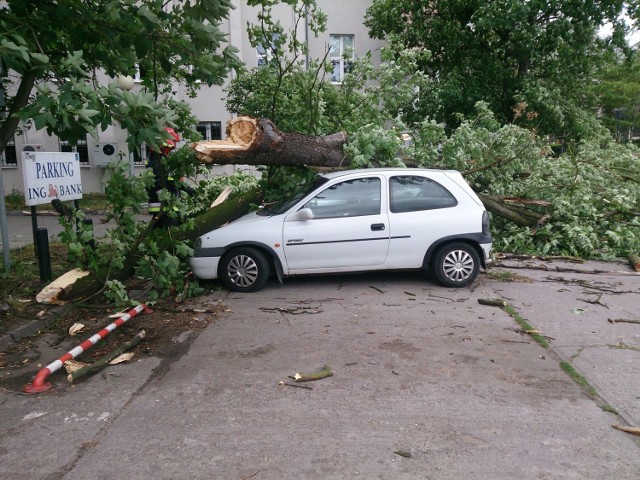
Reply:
x=608, y=408
x=526, y=326
x=579, y=379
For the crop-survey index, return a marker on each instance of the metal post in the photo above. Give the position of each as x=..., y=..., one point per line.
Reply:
x=76, y=207
x=44, y=259
x=34, y=228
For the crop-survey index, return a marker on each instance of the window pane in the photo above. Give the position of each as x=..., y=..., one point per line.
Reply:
x=83, y=152
x=9, y=156
x=334, y=46
x=413, y=193
x=347, y=45
x=347, y=199
x=216, y=130
x=335, y=74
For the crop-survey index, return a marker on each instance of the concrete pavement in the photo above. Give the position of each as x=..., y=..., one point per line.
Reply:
x=427, y=384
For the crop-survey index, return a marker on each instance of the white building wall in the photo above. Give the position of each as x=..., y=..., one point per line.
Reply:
x=344, y=18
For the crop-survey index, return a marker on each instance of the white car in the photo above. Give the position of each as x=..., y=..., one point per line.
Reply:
x=355, y=221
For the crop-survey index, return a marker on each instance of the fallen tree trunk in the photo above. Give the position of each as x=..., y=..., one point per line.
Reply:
x=203, y=223
x=517, y=214
x=257, y=141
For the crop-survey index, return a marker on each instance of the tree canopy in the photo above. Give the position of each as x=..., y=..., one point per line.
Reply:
x=505, y=52
x=59, y=56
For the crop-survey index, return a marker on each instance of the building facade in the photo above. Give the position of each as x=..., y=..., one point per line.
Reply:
x=345, y=34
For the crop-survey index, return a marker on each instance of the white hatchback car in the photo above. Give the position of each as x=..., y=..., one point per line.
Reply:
x=355, y=221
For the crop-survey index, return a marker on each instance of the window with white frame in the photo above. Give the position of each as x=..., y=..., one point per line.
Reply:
x=82, y=148
x=8, y=155
x=210, y=130
x=341, y=55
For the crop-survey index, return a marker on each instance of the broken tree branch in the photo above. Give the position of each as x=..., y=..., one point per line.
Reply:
x=622, y=320
x=107, y=358
x=634, y=430
x=492, y=302
x=517, y=214
x=203, y=223
x=309, y=377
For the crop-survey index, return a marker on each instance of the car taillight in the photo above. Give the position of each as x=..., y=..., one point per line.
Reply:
x=198, y=242
x=485, y=222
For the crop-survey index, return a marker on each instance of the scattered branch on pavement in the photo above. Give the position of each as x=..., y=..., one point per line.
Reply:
x=309, y=377
x=622, y=320
x=559, y=269
x=107, y=358
x=492, y=302
x=516, y=256
x=293, y=310
x=634, y=430
x=595, y=302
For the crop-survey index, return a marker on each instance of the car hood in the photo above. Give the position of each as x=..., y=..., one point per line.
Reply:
x=250, y=218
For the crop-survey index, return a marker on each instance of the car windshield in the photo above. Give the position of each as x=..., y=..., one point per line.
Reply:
x=282, y=206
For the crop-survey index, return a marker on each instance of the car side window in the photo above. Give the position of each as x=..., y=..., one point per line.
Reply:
x=351, y=198
x=411, y=193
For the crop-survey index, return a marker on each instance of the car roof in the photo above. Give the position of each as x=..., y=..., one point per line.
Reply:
x=397, y=170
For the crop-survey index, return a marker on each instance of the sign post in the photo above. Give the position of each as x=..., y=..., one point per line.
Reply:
x=49, y=176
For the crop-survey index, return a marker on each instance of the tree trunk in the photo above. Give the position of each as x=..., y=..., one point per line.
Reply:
x=519, y=215
x=257, y=141
x=211, y=219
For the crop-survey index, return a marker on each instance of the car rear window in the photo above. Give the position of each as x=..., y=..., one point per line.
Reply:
x=411, y=193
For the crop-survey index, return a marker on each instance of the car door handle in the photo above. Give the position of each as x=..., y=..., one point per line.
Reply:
x=377, y=227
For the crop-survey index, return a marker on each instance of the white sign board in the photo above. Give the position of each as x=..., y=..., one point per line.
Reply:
x=51, y=175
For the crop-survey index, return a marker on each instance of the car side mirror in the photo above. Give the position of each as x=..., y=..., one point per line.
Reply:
x=301, y=215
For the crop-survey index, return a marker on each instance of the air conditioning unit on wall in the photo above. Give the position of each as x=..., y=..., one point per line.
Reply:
x=105, y=153
x=32, y=148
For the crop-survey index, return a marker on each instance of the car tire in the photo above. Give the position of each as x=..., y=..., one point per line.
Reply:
x=456, y=265
x=244, y=269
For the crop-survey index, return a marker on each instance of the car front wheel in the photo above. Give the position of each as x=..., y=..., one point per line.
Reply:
x=456, y=265
x=244, y=270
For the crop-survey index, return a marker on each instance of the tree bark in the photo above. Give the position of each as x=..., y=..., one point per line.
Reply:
x=519, y=215
x=257, y=141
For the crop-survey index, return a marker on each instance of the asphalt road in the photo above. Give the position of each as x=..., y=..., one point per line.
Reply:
x=427, y=384
x=20, y=226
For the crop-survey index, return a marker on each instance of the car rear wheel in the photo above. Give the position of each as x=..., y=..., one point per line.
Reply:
x=244, y=269
x=456, y=265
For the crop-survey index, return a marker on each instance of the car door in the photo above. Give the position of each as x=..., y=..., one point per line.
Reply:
x=348, y=230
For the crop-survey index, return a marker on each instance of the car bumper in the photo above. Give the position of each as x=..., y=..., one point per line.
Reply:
x=487, y=260
x=205, y=268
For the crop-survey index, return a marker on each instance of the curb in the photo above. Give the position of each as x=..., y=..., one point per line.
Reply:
x=11, y=338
